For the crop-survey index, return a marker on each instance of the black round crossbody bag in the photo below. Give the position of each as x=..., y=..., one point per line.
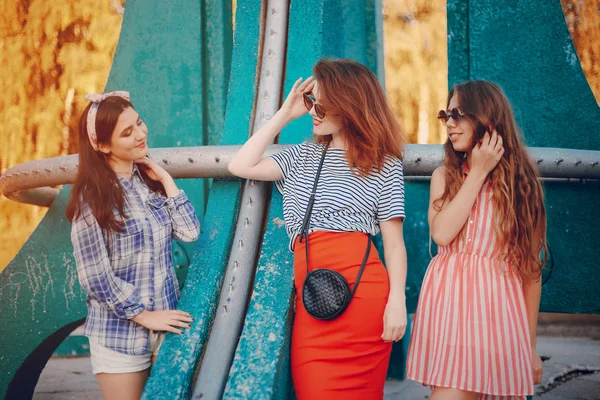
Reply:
x=325, y=293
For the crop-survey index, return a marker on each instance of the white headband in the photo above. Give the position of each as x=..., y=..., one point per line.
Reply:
x=96, y=99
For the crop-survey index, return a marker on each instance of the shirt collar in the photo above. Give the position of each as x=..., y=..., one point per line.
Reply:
x=135, y=171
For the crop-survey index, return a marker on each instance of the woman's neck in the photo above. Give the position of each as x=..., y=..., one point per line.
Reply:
x=469, y=159
x=122, y=168
x=338, y=142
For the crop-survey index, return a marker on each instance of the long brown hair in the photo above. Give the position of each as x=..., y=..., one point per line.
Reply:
x=351, y=91
x=96, y=183
x=517, y=192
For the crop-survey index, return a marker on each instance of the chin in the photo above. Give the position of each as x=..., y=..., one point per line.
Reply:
x=319, y=132
x=143, y=152
x=460, y=147
x=135, y=154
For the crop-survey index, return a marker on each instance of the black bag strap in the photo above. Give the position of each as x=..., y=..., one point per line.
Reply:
x=306, y=225
x=362, y=266
x=309, y=207
x=311, y=200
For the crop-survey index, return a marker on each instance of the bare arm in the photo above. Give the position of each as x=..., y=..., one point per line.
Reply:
x=395, y=255
x=446, y=223
x=249, y=162
x=532, y=292
x=394, y=319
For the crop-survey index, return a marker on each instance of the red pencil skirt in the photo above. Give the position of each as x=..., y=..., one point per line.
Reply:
x=344, y=358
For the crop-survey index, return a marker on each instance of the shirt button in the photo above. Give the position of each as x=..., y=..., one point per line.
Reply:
x=468, y=239
x=470, y=221
x=151, y=279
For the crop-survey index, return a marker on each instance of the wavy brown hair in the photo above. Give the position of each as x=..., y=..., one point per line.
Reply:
x=352, y=92
x=96, y=183
x=517, y=192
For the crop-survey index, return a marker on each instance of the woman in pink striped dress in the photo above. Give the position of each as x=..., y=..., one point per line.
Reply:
x=474, y=335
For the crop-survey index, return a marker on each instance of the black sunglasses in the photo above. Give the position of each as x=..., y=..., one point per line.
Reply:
x=455, y=114
x=310, y=102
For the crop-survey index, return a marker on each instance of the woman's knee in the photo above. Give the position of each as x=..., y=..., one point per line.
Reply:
x=444, y=393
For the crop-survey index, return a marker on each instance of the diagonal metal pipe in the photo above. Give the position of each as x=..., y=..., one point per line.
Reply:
x=239, y=276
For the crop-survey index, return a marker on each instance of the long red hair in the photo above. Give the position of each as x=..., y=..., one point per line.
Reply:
x=96, y=183
x=518, y=196
x=352, y=92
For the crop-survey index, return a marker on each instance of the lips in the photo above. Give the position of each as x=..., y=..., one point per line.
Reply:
x=141, y=146
x=316, y=122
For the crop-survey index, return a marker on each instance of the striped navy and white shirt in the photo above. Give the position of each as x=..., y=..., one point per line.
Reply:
x=345, y=201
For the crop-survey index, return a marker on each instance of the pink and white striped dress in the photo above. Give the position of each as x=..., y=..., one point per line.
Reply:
x=470, y=330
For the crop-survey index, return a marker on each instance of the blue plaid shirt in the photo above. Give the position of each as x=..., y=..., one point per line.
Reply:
x=126, y=273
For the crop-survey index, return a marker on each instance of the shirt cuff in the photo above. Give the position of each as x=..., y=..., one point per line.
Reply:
x=177, y=200
x=132, y=312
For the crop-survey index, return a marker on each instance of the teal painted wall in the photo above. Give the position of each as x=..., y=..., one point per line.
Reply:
x=526, y=48
x=177, y=362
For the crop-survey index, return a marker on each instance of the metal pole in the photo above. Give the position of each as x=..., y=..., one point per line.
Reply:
x=28, y=182
x=237, y=284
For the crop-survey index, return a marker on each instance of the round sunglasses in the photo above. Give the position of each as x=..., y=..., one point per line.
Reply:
x=455, y=114
x=310, y=102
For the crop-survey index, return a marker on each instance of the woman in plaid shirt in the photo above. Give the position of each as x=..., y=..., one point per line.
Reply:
x=125, y=210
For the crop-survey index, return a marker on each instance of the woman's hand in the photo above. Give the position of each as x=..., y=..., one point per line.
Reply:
x=294, y=107
x=394, y=320
x=249, y=162
x=153, y=170
x=487, y=154
x=164, y=320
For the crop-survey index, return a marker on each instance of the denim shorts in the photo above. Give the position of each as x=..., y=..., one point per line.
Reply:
x=108, y=361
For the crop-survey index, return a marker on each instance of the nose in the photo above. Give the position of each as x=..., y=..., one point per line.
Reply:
x=140, y=133
x=450, y=122
x=312, y=112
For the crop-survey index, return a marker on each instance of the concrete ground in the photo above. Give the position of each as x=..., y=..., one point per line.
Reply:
x=571, y=372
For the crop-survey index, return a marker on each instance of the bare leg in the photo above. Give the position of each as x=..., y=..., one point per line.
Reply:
x=443, y=393
x=127, y=386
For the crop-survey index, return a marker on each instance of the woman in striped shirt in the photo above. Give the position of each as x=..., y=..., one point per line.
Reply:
x=475, y=329
x=125, y=210
x=360, y=192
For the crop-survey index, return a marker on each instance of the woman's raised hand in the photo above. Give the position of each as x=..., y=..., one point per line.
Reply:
x=294, y=107
x=487, y=154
